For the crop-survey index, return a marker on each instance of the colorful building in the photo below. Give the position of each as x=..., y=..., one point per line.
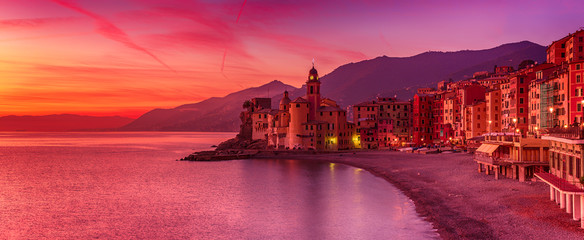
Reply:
x=422, y=119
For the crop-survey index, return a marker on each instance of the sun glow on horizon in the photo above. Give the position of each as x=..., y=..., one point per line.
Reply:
x=128, y=57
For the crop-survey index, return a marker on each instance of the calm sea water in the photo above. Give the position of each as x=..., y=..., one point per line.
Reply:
x=129, y=186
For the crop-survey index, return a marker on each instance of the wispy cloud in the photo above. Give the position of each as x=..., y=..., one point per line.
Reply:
x=33, y=22
x=110, y=30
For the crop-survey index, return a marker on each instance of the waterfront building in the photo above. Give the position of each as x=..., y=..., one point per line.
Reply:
x=383, y=123
x=560, y=101
x=365, y=117
x=566, y=170
x=422, y=119
x=395, y=117
x=468, y=95
x=493, y=111
x=452, y=118
x=576, y=103
x=441, y=131
x=567, y=49
x=512, y=156
x=476, y=121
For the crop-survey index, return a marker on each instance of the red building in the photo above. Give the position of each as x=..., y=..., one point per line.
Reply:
x=576, y=92
x=422, y=119
x=368, y=138
x=442, y=130
x=385, y=133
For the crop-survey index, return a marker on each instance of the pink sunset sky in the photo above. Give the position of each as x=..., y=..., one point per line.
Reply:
x=125, y=57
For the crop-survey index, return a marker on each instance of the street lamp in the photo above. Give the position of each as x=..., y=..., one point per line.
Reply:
x=551, y=117
x=535, y=132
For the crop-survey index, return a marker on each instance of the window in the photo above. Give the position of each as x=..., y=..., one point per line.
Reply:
x=520, y=100
x=579, y=107
x=520, y=110
x=520, y=90
x=521, y=80
x=578, y=78
x=311, y=89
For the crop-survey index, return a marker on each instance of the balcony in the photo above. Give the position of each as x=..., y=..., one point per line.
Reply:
x=568, y=133
x=492, y=160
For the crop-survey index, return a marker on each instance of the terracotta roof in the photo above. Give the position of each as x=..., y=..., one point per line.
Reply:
x=329, y=109
x=300, y=100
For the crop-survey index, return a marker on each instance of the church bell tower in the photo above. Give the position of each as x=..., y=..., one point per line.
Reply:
x=313, y=92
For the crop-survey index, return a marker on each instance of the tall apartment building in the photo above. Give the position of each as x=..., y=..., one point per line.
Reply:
x=493, y=109
x=422, y=119
x=384, y=123
x=567, y=49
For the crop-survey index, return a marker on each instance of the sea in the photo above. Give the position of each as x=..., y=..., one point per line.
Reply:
x=131, y=186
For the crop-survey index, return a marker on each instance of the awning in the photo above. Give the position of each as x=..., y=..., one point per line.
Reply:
x=559, y=183
x=487, y=148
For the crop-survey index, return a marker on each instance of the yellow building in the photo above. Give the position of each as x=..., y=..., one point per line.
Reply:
x=508, y=154
x=566, y=170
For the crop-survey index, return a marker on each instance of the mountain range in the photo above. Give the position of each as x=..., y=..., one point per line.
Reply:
x=216, y=114
x=348, y=84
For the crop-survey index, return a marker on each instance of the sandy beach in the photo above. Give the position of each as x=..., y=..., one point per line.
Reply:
x=460, y=202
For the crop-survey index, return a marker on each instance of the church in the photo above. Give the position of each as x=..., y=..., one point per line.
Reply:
x=310, y=122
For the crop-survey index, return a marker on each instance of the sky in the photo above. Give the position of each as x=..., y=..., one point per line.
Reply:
x=126, y=57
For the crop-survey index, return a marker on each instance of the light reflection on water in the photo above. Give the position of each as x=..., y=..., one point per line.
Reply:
x=126, y=185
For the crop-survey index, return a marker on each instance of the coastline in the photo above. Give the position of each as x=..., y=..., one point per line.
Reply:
x=461, y=203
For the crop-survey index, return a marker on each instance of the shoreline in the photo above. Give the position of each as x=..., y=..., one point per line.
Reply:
x=461, y=203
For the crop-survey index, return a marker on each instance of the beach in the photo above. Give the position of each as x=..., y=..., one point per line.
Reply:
x=460, y=202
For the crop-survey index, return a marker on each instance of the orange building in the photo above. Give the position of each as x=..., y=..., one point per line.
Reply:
x=493, y=109
x=476, y=120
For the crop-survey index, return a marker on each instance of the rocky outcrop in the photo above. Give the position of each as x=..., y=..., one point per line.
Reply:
x=238, y=143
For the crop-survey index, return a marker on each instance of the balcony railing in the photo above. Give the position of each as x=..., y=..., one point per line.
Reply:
x=491, y=160
x=566, y=132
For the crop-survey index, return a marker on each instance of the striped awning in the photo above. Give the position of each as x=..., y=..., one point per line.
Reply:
x=487, y=148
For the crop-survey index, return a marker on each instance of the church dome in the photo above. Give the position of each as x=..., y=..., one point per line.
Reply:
x=313, y=75
x=284, y=101
x=313, y=71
